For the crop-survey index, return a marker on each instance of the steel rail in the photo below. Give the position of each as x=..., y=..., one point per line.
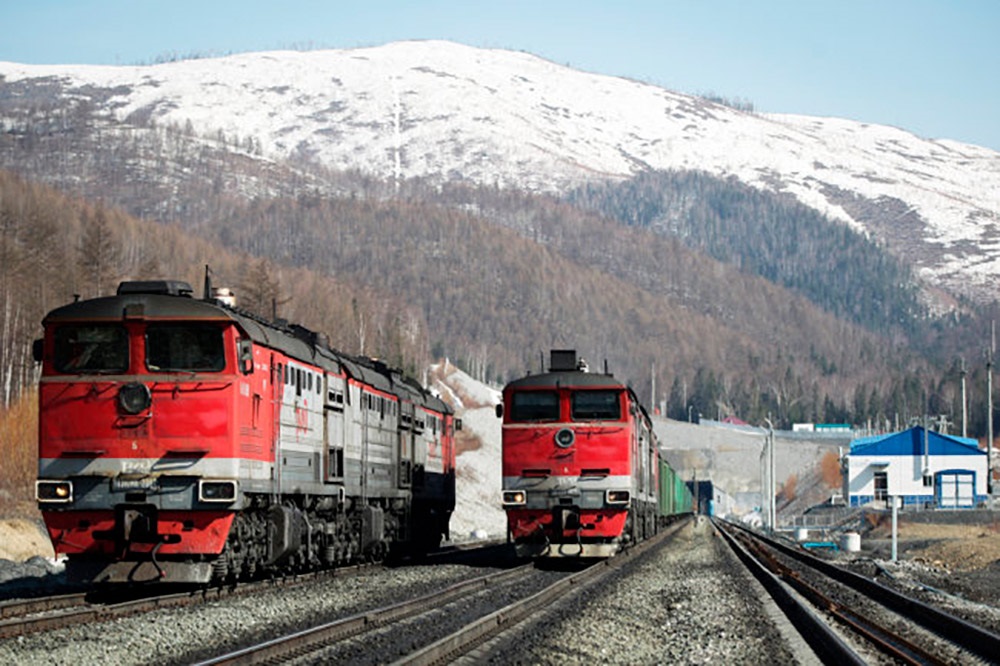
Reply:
x=488, y=626
x=975, y=639
x=61, y=617
x=828, y=646
x=314, y=638
x=21, y=607
x=885, y=639
x=49, y=613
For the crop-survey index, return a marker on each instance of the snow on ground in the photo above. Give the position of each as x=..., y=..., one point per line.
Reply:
x=22, y=539
x=477, y=483
x=460, y=390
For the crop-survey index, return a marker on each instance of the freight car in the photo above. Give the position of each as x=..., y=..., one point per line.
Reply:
x=674, y=493
x=582, y=471
x=184, y=440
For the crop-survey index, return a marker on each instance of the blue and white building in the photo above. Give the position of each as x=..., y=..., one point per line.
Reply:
x=922, y=467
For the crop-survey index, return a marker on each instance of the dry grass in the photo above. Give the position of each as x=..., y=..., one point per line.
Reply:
x=788, y=490
x=954, y=547
x=19, y=457
x=830, y=470
x=466, y=440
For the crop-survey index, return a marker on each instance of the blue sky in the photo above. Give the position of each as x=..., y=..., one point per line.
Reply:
x=931, y=67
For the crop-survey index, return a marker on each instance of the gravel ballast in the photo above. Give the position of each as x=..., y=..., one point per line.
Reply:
x=184, y=635
x=689, y=602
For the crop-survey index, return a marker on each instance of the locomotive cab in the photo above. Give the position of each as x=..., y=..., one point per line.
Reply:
x=571, y=452
x=136, y=450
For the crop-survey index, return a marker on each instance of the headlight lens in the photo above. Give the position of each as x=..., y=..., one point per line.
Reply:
x=565, y=438
x=134, y=398
x=54, y=491
x=514, y=497
x=618, y=497
x=217, y=491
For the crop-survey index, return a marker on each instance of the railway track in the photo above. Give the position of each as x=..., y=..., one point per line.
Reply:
x=818, y=596
x=48, y=613
x=21, y=616
x=25, y=616
x=418, y=631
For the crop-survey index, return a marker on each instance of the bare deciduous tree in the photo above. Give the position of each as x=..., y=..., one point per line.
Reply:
x=100, y=254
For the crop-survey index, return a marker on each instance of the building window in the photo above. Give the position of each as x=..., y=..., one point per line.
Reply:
x=881, y=486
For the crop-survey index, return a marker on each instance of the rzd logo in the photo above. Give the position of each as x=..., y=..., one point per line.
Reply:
x=301, y=419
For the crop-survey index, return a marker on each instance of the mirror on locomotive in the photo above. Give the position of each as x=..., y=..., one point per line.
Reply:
x=246, y=357
x=38, y=350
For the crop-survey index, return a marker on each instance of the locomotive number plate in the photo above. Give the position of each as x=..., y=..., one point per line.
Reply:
x=143, y=483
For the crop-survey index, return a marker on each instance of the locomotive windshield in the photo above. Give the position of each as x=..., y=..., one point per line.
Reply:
x=185, y=347
x=534, y=406
x=596, y=406
x=87, y=348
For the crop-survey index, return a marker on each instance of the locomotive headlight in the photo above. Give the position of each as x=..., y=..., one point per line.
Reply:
x=215, y=490
x=134, y=398
x=617, y=496
x=514, y=497
x=54, y=491
x=565, y=438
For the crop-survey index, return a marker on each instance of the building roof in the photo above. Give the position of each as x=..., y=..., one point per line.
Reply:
x=911, y=443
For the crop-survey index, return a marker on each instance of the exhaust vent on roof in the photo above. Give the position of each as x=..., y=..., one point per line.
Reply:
x=160, y=287
x=562, y=360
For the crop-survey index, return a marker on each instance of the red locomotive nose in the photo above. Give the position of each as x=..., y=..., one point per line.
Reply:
x=581, y=466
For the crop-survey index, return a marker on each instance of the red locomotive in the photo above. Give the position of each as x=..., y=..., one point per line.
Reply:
x=183, y=440
x=581, y=466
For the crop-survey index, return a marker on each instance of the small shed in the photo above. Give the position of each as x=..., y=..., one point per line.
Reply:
x=924, y=468
x=711, y=500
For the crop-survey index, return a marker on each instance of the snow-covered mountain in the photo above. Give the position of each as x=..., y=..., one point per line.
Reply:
x=441, y=110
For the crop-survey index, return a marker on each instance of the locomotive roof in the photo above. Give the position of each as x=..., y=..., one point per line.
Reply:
x=154, y=306
x=295, y=341
x=572, y=379
x=567, y=378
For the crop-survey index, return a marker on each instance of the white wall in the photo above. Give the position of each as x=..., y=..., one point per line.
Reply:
x=905, y=473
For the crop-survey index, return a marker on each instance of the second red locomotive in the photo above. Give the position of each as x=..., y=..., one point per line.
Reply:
x=183, y=440
x=582, y=472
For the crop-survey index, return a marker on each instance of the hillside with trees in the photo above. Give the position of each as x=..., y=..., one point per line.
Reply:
x=777, y=238
x=730, y=300
x=408, y=281
x=54, y=248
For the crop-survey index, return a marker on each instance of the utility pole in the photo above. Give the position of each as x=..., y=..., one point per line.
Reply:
x=965, y=412
x=769, y=448
x=652, y=398
x=763, y=478
x=694, y=487
x=989, y=400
